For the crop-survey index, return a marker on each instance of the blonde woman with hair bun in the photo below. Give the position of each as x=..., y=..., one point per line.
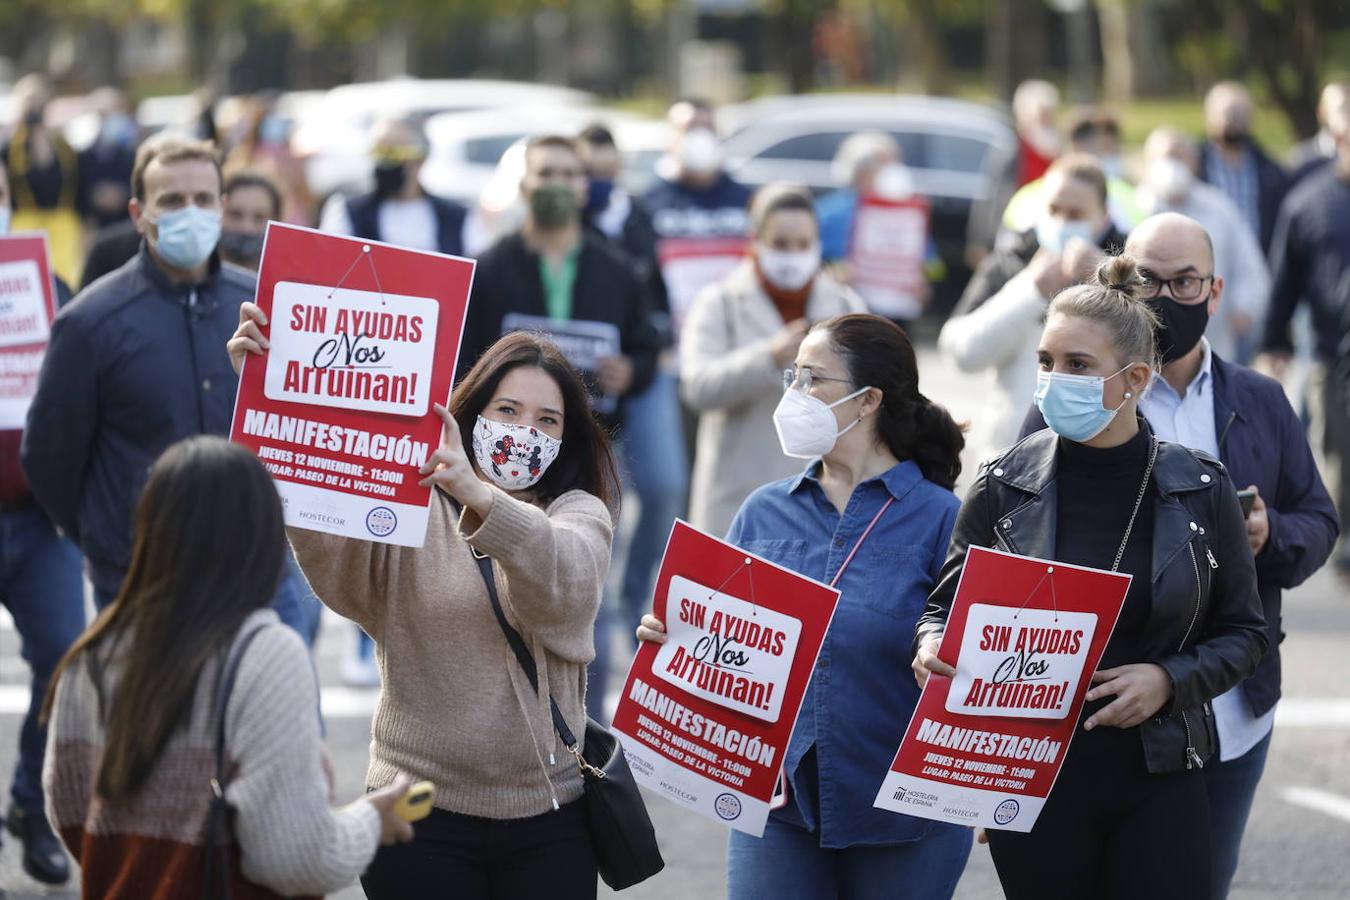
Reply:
x=1128, y=816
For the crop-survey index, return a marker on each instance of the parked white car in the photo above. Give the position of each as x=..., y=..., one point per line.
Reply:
x=333, y=135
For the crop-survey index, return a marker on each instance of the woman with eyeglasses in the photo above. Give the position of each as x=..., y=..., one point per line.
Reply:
x=883, y=459
x=740, y=335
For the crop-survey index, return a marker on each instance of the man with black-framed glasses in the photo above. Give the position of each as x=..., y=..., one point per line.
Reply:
x=1244, y=419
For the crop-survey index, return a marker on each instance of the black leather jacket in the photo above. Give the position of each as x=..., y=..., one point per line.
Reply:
x=1206, y=628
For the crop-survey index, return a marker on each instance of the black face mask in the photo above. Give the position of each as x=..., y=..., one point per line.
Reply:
x=240, y=248
x=1235, y=136
x=390, y=177
x=1182, y=326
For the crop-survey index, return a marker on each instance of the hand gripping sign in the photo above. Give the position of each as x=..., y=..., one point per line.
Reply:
x=706, y=717
x=984, y=748
x=364, y=338
x=27, y=306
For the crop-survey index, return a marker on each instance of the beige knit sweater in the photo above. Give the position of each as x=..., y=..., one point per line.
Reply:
x=456, y=708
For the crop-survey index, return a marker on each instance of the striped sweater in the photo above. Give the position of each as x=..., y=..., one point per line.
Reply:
x=288, y=841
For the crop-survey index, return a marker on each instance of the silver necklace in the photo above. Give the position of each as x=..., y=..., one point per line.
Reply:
x=1138, y=502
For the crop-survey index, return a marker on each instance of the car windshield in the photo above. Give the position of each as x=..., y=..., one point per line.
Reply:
x=931, y=150
x=487, y=151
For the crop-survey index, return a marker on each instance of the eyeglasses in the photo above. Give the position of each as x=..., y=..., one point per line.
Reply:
x=1183, y=288
x=804, y=378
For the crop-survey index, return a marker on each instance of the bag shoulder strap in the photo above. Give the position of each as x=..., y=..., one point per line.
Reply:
x=217, y=821
x=518, y=647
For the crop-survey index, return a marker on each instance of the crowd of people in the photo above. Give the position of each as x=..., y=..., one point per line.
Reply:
x=1137, y=333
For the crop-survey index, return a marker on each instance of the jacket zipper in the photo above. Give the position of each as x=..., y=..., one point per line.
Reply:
x=1193, y=760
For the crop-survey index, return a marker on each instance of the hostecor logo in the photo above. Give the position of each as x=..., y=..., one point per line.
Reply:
x=1006, y=812
x=728, y=806
x=381, y=521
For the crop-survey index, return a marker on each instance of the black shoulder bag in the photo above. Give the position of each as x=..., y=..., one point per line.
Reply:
x=218, y=818
x=621, y=830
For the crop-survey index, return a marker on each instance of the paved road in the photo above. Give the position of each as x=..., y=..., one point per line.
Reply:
x=1296, y=845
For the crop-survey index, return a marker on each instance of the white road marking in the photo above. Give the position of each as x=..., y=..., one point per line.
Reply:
x=337, y=702
x=1325, y=802
x=355, y=703
x=1313, y=712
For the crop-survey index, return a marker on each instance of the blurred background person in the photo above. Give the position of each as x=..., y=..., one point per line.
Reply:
x=1232, y=160
x=741, y=335
x=698, y=209
x=250, y=200
x=105, y=165
x=398, y=211
x=42, y=588
x=1310, y=262
x=1096, y=133
x=1311, y=154
x=265, y=147
x=136, y=712
x=1035, y=114
x=870, y=164
x=44, y=178
x=622, y=218
x=1170, y=185
x=998, y=321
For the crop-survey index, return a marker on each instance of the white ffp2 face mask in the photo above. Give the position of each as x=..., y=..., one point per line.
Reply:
x=789, y=270
x=805, y=424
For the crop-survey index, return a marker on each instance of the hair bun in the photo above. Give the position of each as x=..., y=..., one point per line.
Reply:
x=1120, y=274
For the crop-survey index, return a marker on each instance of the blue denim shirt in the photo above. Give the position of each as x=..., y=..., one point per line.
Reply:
x=863, y=692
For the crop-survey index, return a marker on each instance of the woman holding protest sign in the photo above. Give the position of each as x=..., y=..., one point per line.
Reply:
x=524, y=477
x=874, y=509
x=1128, y=814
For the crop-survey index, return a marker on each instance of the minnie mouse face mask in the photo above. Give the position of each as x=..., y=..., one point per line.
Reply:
x=513, y=456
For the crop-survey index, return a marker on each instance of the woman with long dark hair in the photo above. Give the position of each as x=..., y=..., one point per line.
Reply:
x=1129, y=813
x=524, y=477
x=883, y=462
x=133, y=724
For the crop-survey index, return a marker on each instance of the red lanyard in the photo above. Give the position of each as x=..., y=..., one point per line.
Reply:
x=868, y=530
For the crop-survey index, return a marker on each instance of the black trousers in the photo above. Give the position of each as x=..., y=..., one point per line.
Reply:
x=468, y=858
x=1111, y=830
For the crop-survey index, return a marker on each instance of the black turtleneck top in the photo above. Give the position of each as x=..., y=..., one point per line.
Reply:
x=1097, y=490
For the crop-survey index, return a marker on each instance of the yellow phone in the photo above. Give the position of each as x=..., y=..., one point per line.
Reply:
x=416, y=803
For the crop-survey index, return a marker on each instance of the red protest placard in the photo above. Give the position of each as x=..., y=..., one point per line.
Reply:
x=27, y=307
x=984, y=747
x=887, y=253
x=689, y=264
x=364, y=338
x=706, y=718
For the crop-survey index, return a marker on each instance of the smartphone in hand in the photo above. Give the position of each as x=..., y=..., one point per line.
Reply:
x=1247, y=497
x=416, y=803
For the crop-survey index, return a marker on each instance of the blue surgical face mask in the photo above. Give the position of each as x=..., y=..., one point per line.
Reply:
x=5, y=214
x=1072, y=404
x=1054, y=233
x=185, y=238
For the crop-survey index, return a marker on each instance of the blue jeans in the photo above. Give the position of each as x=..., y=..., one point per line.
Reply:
x=295, y=602
x=1232, y=787
x=789, y=862
x=656, y=468
x=42, y=586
